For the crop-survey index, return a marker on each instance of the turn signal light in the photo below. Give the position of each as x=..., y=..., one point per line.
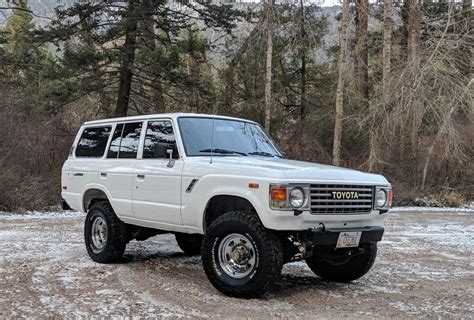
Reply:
x=278, y=194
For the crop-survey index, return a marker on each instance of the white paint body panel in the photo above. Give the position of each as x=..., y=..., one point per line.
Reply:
x=160, y=200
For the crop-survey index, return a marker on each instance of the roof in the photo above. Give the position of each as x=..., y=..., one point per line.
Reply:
x=162, y=115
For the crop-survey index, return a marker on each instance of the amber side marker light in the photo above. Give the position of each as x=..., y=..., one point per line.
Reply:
x=254, y=185
x=390, y=198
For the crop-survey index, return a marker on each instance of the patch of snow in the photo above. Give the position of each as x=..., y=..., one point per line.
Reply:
x=433, y=209
x=41, y=215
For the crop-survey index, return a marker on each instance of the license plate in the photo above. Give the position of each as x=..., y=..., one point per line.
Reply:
x=348, y=239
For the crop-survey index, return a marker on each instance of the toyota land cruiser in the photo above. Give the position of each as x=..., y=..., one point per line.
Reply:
x=226, y=191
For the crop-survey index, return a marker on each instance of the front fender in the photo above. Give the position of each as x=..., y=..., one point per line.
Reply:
x=196, y=201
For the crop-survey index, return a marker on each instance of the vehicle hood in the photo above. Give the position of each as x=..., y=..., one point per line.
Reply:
x=294, y=170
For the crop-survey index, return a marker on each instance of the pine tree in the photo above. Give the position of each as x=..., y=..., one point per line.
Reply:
x=111, y=34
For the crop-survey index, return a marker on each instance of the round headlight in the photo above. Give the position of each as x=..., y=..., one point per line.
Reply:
x=381, y=198
x=296, y=197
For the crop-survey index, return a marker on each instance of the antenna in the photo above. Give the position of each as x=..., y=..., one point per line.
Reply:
x=212, y=136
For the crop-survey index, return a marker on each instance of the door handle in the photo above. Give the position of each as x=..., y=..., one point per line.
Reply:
x=141, y=176
x=78, y=174
x=103, y=174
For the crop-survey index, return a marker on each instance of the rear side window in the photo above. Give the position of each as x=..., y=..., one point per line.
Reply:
x=93, y=142
x=125, y=141
x=115, y=144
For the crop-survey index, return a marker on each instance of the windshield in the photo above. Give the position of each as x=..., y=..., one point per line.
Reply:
x=231, y=138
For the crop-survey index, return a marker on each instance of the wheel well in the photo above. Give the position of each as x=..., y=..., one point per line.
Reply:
x=222, y=204
x=91, y=196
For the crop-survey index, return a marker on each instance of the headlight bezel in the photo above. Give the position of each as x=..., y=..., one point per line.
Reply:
x=388, y=198
x=291, y=197
x=286, y=204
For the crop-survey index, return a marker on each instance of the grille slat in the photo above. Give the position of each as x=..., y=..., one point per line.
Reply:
x=341, y=206
x=338, y=200
x=322, y=201
x=341, y=189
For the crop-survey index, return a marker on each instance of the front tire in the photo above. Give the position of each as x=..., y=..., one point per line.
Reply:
x=104, y=233
x=240, y=257
x=342, y=265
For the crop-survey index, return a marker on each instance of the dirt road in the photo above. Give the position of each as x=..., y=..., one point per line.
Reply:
x=425, y=267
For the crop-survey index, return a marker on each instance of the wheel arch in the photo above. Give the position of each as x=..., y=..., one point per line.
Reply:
x=221, y=204
x=91, y=195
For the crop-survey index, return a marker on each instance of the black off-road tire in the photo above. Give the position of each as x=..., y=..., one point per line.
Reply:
x=268, y=255
x=189, y=243
x=117, y=235
x=327, y=264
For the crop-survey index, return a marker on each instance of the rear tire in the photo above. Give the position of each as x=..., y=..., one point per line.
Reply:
x=240, y=257
x=104, y=233
x=189, y=243
x=338, y=265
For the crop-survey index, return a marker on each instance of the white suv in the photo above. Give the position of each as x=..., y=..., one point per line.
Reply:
x=223, y=187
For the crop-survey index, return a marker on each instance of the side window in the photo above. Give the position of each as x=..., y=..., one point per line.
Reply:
x=115, y=144
x=125, y=141
x=93, y=142
x=159, y=138
x=130, y=136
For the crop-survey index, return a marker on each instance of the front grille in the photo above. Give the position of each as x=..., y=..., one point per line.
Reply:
x=323, y=202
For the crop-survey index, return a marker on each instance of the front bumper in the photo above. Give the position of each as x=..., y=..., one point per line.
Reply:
x=328, y=237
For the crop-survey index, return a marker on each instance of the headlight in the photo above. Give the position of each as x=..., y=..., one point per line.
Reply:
x=381, y=198
x=296, y=197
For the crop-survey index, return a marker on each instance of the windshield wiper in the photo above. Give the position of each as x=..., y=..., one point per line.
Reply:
x=223, y=151
x=264, y=154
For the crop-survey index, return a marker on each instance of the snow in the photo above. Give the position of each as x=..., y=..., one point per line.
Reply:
x=430, y=210
x=41, y=215
x=424, y=268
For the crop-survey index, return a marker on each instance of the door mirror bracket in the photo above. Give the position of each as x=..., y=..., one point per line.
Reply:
x=171, y=160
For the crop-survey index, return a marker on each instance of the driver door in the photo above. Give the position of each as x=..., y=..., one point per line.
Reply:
x=156, y=180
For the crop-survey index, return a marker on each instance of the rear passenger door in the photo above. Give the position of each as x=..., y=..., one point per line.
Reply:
x=116, y=173
x=157, y=182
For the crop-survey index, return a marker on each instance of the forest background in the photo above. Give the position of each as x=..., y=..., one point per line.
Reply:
x=382, y=86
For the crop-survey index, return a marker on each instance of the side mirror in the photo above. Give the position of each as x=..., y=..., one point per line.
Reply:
x=170, y=156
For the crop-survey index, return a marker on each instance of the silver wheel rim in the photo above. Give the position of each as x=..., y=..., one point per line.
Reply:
x=99, y=234
x=236, y=255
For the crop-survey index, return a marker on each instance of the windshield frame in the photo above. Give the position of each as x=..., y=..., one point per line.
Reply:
x=280, y=154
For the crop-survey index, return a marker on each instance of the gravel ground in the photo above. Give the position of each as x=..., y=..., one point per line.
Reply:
x=425, y=268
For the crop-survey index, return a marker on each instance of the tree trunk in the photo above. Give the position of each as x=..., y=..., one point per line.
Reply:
x=466, y=46
x=387, y=48
x=303, y=63
x=414, y=45
x=194, y=71
x=403, y=31
x=387, y=55
x=155, y=84
x=341, y=66
x=361, y=60
x=414, y=32
x=128, y=51
x=268, y=71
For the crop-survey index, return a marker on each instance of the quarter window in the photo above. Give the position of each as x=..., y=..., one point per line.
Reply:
x=125, y=141
x=93, y=142
x=159, y=138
